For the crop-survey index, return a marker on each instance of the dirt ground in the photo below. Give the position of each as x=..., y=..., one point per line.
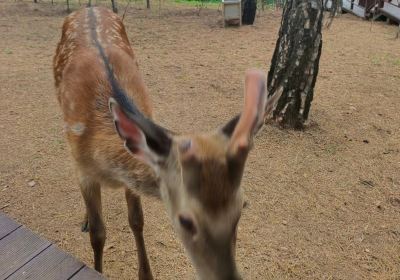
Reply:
x=323, y=203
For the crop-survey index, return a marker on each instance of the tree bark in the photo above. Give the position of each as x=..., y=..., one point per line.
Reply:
x=249, y=9
x=114, y=6
x=295, y=63
x=334, y=10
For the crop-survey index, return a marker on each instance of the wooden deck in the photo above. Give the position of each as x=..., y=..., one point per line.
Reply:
x=26, y=255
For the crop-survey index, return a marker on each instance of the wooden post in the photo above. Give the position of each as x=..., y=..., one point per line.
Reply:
x=398, y=32
x=114, y=6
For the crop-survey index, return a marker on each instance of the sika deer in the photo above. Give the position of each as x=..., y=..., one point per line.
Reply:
x=115, y=142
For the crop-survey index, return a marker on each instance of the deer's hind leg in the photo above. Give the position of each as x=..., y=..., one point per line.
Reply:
x=92, y=195
x=136, y=222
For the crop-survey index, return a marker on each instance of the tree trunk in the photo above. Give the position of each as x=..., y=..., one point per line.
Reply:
x=294, y=65
x=148, y=4
x=334, y=10
x=249, y=8
x=114, y=6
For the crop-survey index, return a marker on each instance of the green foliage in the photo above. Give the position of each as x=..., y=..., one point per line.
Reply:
x=197, y=2
x=268, y=2
x=385, y=59
x=203, y=3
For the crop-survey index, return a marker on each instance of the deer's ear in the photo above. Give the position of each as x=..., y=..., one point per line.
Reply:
x=142, y=137
x=242, y=128
x=230, y=126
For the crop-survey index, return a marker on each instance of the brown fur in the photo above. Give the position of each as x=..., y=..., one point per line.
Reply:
x=82, y=86
x=210, y=170
x=198, y=175
x=83, y=91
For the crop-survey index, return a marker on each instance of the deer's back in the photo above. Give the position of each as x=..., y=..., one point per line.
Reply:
x=83, y=90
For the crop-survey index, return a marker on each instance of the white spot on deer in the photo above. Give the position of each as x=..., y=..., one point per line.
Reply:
x=116, y=25
x=62, y=89
x=115, y=33
x=74, y=24
x=307, y=24
x=121, y=45
x=78, y=128
x=58, y=70
x=71, y=35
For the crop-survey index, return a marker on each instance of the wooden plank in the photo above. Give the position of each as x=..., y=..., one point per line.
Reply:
x=7, y=225
x=17, y=248
x=51, y=264
x=25, y=255
x=87, y=273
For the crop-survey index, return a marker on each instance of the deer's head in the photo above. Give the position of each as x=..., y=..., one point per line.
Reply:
x=200, y=176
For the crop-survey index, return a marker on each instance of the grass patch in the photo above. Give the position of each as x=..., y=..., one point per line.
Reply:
x=199, y=3
x=376, y=60
x=387, y=58
x=396, y=62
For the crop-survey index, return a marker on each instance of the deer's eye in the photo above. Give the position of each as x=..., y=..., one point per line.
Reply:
x=188, y=224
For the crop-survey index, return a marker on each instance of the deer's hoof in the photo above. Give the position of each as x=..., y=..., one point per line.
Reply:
x=145, y=275
x=85, y=226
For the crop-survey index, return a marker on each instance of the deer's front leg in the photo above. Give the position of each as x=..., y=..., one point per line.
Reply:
x=136, y=222
x=85, y=223
x=92, y=195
